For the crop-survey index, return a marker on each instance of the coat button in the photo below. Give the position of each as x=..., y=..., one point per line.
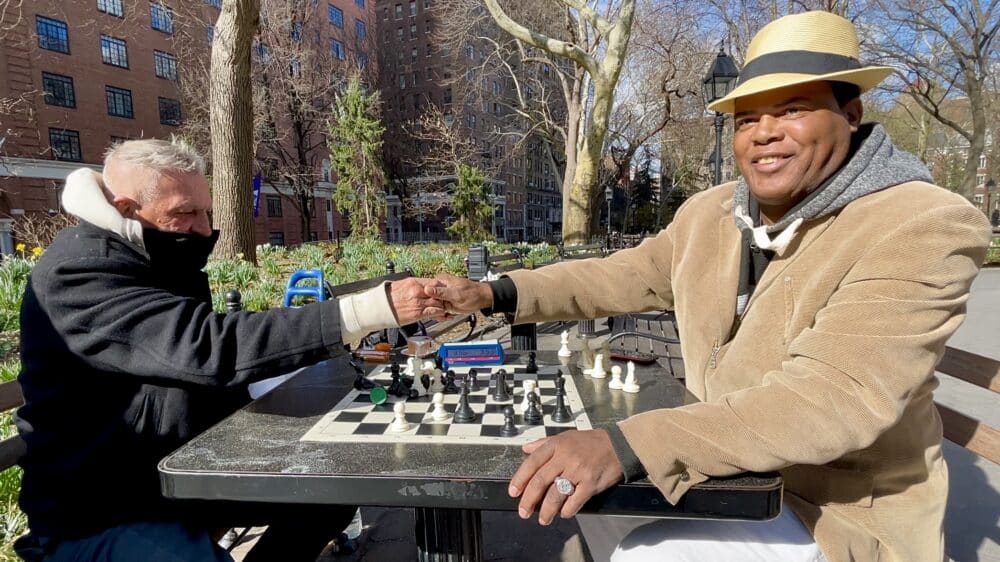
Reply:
x=685, y=476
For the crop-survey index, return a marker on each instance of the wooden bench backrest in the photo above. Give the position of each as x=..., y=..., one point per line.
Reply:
x=974, y=435
x=12, y=448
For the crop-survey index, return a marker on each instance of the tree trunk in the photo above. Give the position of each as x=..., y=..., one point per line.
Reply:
x=231, y=103
x=581, y=209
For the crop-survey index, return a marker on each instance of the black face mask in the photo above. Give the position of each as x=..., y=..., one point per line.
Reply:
x=176, y=251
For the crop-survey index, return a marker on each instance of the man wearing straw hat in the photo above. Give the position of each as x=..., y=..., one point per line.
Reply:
x=814, y=298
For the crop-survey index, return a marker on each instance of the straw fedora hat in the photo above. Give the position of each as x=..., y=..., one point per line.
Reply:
x=801, y=48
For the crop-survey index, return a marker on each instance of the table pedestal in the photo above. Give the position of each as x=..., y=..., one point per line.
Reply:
x=449, y=535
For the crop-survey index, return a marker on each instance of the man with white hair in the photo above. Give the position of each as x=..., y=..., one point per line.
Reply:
x=124, y=360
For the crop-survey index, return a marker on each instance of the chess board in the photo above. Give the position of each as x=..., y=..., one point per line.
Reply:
x=356, y=420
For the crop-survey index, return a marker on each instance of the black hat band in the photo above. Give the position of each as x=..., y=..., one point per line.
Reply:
x=797, y=62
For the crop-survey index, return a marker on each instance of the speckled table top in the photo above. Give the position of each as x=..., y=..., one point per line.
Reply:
x=256, y=455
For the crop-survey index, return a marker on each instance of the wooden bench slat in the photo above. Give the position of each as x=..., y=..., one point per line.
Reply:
x=10, y=395
x=505, y=257
x=969, y=367
x=354, y=287
x=970, y=433
x=11, y=451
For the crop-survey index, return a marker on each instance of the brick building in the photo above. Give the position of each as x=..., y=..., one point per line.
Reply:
x=79, y=75
x=415, y=72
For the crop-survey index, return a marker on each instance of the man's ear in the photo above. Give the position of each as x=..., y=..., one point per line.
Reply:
x=127, y=207
x=853, y=110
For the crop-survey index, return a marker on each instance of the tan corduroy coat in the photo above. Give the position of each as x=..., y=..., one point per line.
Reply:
x=828, y=375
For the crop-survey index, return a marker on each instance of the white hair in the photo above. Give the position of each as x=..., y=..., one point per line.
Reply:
x=157, y=156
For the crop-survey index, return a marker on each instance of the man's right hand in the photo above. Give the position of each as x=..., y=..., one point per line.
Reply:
x=461, y=295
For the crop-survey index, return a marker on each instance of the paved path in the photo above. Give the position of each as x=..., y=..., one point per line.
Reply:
x=972, y=525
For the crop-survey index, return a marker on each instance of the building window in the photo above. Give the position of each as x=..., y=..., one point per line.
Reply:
x=399, y=33
x=114, y=51
x=110, y=7
x=161, y=18
x=52, y=34
x=214, y=3
x=470, y=120
x=413, y=31
x=118, y=140
x=337, y=50
x=978, y=199
x=413, y=54
x=314, y=236
x=58, y=90
x=427, y=4
x=170, y=112
x=335, y=15
x=980, y=179
x=399, y=11
x=359, y=3
x=982, y=160
x=402, y=82
x=360, y=30
x=447, y=96
x=276, y=238
x=362, y=60
x=385, y=14
x=430, y=50
x=273, y=206
x=166, y=65
x=119, y=102
x=65, y=144
x=297, y=31
x=413, y=7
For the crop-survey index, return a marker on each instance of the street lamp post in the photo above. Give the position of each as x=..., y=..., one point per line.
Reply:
x=720, y=80
x=608, y=196
x=992, y=195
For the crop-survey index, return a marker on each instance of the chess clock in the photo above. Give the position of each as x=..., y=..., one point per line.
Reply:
x=472, y=353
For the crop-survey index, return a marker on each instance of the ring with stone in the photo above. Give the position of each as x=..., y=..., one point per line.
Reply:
x=564, y=486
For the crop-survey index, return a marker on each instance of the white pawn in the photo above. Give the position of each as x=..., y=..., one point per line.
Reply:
x=399, y=424
x=616, y=378
x=439, y=413
x=529, y=387
x=630, y=384
x=598, y=371
x=564, y=345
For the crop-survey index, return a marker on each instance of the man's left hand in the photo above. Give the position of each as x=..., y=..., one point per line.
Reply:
x=586, y=458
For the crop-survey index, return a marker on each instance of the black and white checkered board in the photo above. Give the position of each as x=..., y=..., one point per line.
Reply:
x=356, y=420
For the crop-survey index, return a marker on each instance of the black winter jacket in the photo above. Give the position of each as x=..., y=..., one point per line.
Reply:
x=123, y=362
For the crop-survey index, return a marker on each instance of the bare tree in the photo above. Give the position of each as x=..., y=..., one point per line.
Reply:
x=943, y=53
x=598, y=51
x=232, y=127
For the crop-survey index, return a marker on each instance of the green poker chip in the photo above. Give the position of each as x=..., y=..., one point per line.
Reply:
x=378, y=395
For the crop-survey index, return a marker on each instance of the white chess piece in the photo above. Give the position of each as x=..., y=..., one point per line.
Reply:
x=587, y=358
x=399, y=424
x=630, y=384
x=564, y=345
x=439, y=413
x=529, y=387
x=411, y=367
x=598, y=371
x=616, y=378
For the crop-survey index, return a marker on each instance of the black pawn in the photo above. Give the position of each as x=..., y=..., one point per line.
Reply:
x=500, y=392
x=425, y=381
x=394, y=369
x=449, y=383
x=533, y=415
x=561, y=413
x=473, y=378
x=508, y=429
x=532, y=367
x=464, y=413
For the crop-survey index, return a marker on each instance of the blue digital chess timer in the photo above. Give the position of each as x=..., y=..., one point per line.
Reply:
x=472, y=353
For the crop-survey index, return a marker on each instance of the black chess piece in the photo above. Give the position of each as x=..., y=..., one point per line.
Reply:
x=561, y=413
x=508, y=429
x=533, y=415
x=473, y=378
x=361, y=382
x=425, y=381
x=449, y=383
x=500, y=392
x=394, y=368
x=439, y=362
x=464, y=413
x=532, y=367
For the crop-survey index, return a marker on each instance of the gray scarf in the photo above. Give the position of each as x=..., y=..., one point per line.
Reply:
x=876, y=164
